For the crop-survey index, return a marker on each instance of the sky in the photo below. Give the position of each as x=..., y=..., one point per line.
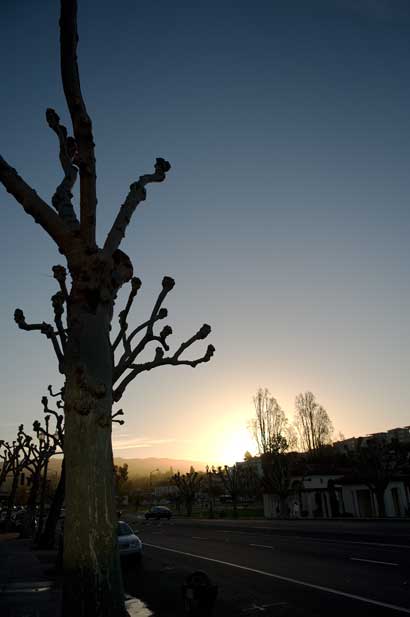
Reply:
x=284, y=219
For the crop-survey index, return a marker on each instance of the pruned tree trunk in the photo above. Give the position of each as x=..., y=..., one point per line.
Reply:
x=47, y=538
x=92, y=583
x=11, y=500
x=3, y=476
x=92, y=574
x=29, y=518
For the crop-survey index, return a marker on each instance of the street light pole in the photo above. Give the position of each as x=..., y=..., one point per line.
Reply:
x=150, y=482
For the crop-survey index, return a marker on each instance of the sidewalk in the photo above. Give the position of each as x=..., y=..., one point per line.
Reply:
x=29, y=585
x=28, y=588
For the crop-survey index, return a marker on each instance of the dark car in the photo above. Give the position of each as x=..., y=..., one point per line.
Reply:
x=158, y=512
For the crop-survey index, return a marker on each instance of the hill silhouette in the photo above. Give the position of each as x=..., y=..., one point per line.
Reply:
x=143, y=466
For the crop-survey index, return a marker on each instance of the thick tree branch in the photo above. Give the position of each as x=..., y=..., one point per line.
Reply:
x=60, y=393
x=82, y=126
x=160, y=360
x=135, y=286
x=60, y=274
x=46, y=329
x=58, y=306
x=61, y=199
x=158, y=313
x=137, y=193
x=59, y=440
x=117, y=413
x=35, y=206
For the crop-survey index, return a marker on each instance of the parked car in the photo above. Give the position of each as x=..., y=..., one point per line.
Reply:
x=158, y=512
x=129, y=543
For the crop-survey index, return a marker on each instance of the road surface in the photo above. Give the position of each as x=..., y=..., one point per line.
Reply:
x=278, y=569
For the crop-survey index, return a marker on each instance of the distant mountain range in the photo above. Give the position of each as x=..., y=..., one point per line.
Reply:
x=143, y=466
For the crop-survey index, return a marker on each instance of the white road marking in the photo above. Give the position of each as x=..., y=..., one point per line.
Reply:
x=263, y=607
x=380, y=544
x=296, y=581
x=386, y=563
x=198, y=538
x=315, y=539
x=262, y=545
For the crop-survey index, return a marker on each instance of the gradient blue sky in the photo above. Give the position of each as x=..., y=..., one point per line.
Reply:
x=284, y=220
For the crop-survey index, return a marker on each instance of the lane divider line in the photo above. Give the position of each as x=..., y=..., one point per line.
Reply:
x=315, y=539
x=287, y=579
x=262, y=545
x=385, y=563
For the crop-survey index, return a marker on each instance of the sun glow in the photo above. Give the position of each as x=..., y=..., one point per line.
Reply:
x=232, y=445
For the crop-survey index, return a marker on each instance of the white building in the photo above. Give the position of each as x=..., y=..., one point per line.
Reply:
x=334, y=496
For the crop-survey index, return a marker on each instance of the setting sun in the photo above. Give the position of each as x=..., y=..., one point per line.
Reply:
x=232, y=445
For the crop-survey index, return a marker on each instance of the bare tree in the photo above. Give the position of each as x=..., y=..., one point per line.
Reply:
x=6, y=460
x=36, y=462
x=56, y=437
x=274, y=437
x=85, y=354
x=377, y=461
x=278, y=469
x=15, y=457
x=269, y=426
x=188, y=485
x=234, y=481
x=312, y=423
x=211, y=488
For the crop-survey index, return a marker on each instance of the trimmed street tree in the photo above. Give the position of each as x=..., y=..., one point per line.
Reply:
x=45, y=538
x=85, y=354
x=188, y=485
x=232, y=480
x=377, y=461
x=15, y=457
x=36, y=463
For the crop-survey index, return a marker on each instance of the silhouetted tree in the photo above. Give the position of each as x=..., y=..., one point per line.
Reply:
x=212, y=488
x=277, y=468
x=85, y=355
x=232, y=480
x=46, y=537
x=6, y=460
x=377, y=461
x=312, y=422
x=188, y=485
x=18, y=453
x=120, y=476
x=36, y=462
x=274, y=436
x=270, y=423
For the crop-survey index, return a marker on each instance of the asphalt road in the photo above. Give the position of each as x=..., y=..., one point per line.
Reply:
x=286, y=568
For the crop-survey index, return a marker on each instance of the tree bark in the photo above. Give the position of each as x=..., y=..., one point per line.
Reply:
x=47, y=538
x=92, y=573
